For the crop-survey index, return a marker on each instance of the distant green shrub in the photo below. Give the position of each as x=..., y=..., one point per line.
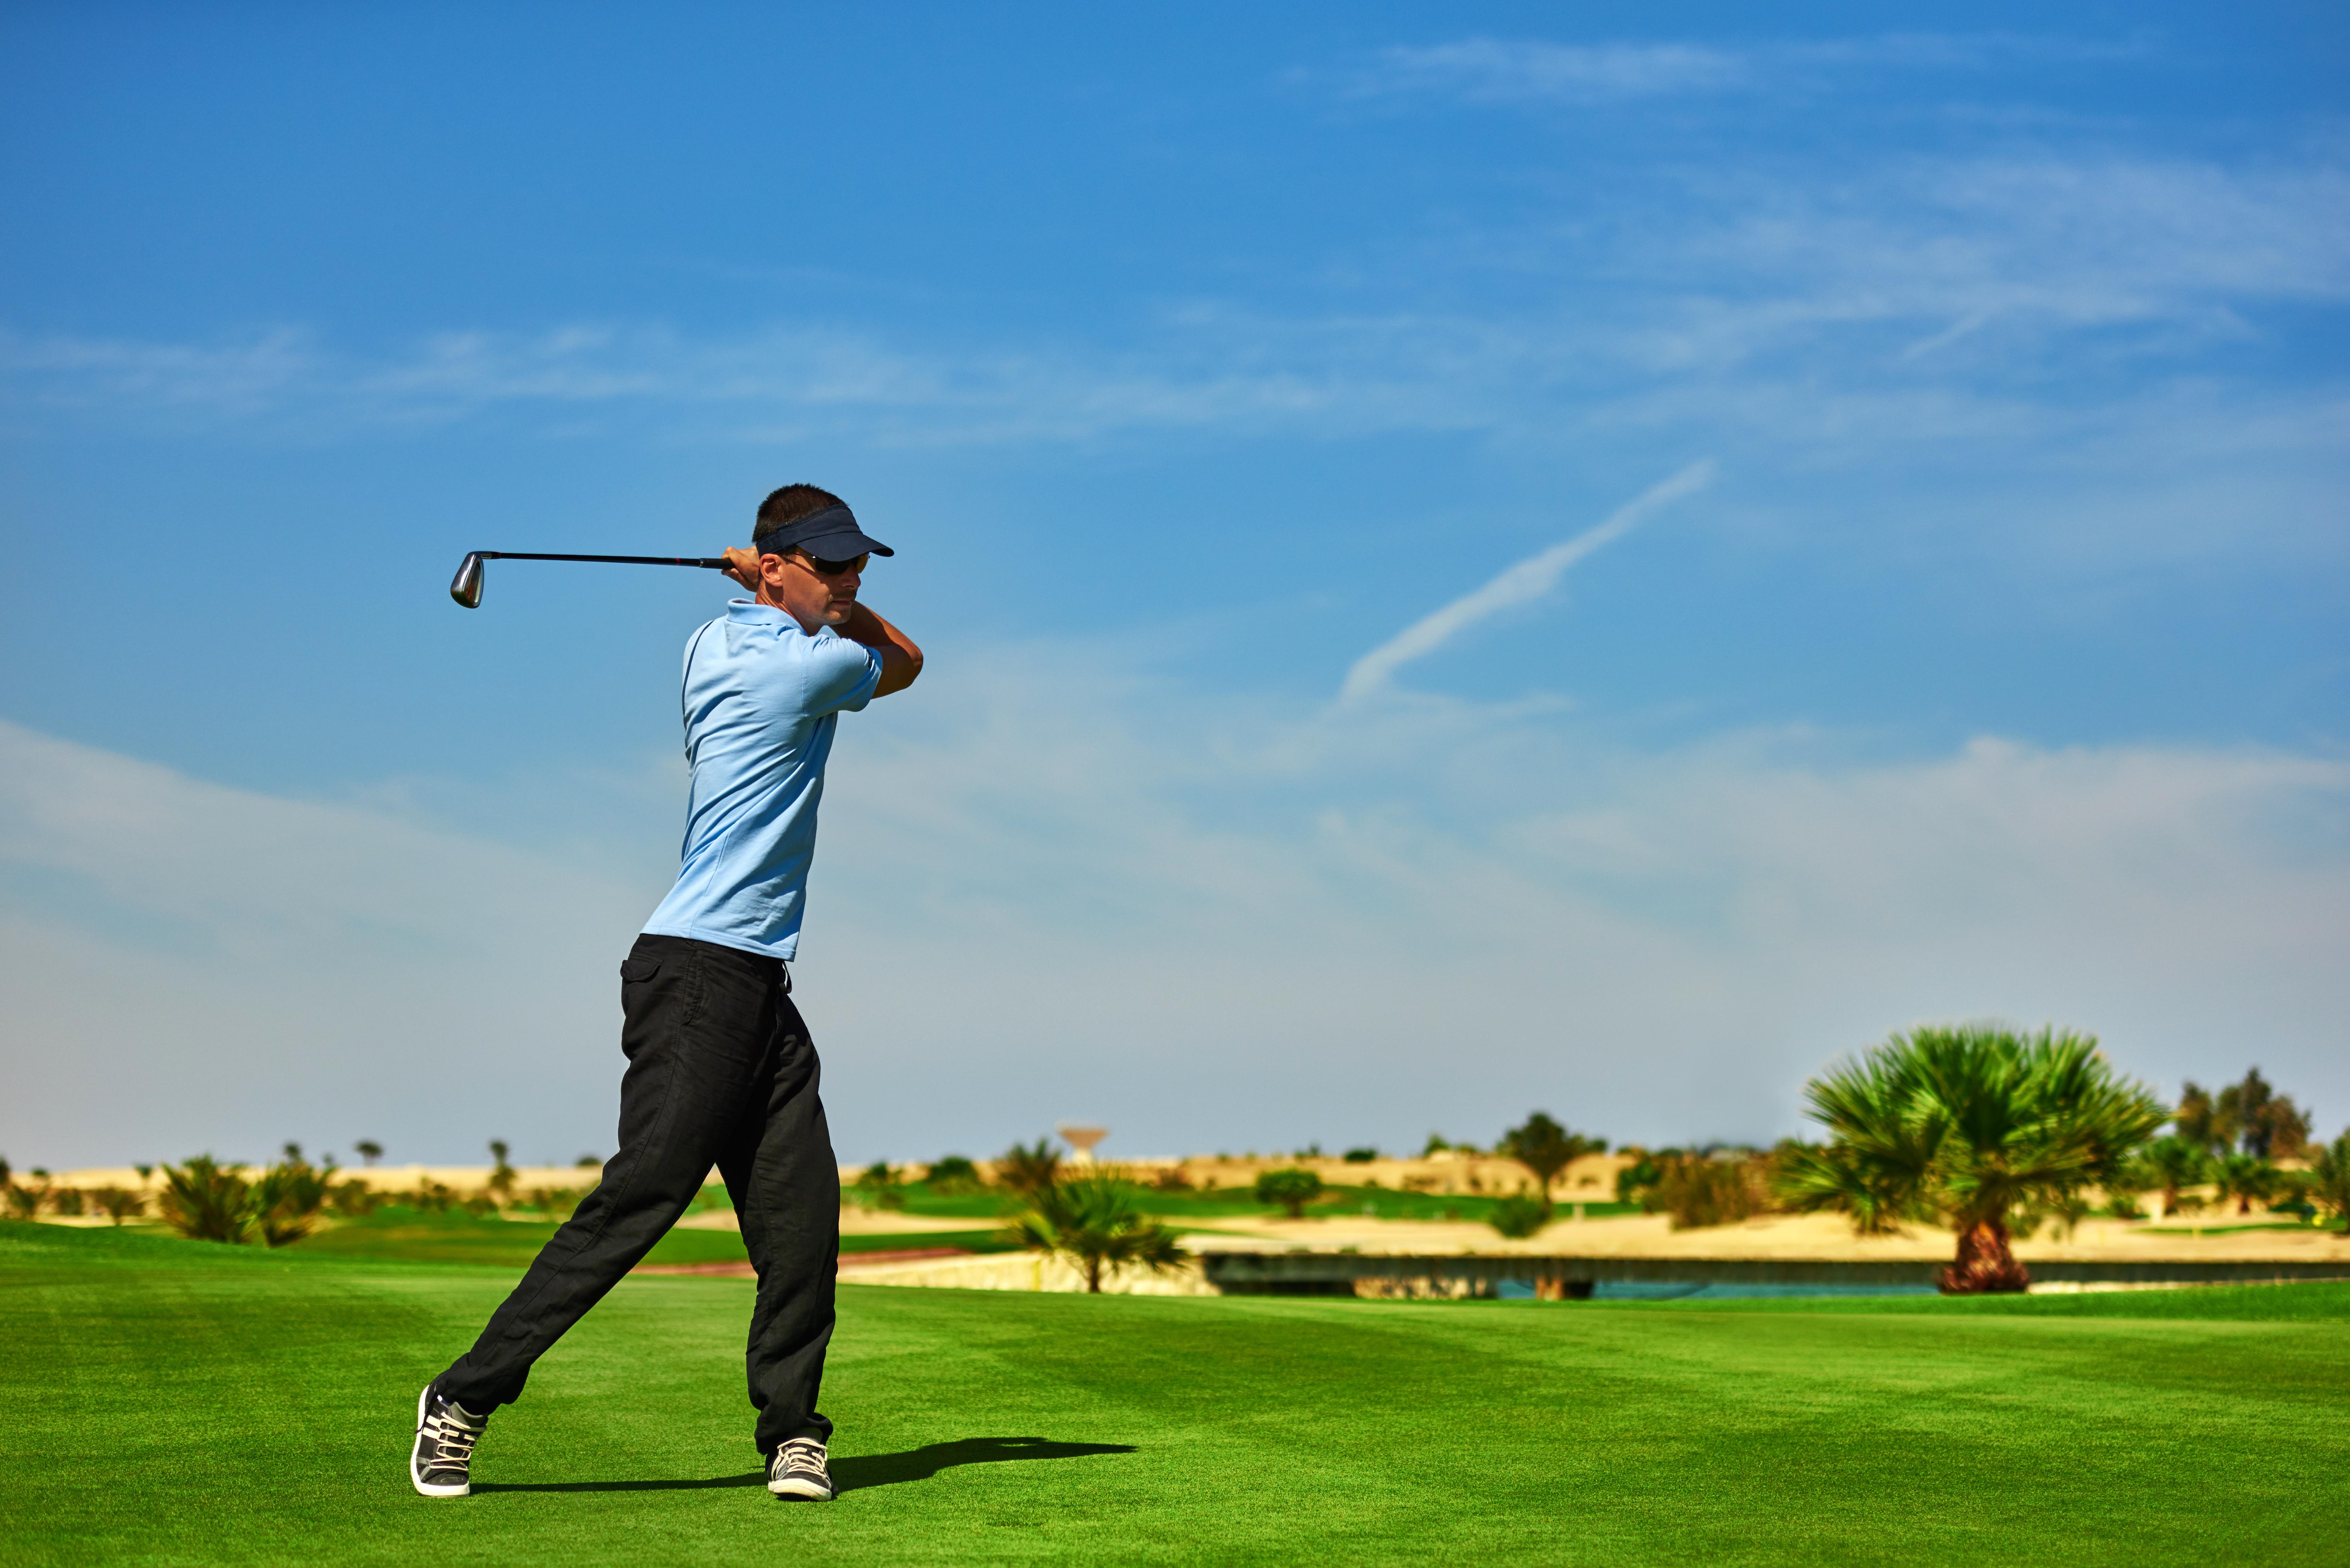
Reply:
x=1699, y=1189
x=1363, y=1156
x=1290, y=1188
x=878, y=1187
x=354, y=1198
x=1546, y=1148
x=118, y=1203
x=1519, y=1218
x=66, y=1201
x=952, y=1174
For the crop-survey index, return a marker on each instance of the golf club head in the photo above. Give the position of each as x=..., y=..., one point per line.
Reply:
x=465, y=587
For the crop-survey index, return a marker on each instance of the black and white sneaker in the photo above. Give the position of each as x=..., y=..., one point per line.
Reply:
x=440, y=1465
x=797, y=1470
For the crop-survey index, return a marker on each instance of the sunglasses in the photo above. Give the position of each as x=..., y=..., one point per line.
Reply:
x=823, y=568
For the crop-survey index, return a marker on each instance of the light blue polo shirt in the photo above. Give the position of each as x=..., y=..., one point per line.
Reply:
x=762, y=698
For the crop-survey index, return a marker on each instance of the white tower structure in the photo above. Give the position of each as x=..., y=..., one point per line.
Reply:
x=1082, y=1141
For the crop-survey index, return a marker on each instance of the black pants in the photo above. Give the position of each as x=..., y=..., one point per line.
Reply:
x=721, y=1072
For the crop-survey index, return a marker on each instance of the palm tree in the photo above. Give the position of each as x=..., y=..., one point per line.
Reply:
x=369, y=1151
x=2175, y=1162
x=2244, y=1178
x=2329, y=1179
x=1546, y=1148
x=1975, y=1123
x=1023, y=1170
x=2198, y=1119
x=1095, y=1221
x=502, y=1175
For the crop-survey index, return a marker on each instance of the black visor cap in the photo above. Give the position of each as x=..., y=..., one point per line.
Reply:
x=831, y=534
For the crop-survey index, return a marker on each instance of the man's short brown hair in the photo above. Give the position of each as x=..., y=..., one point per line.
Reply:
x=791, y=503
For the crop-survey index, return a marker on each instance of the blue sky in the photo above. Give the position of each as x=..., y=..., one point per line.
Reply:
x=1987, y=661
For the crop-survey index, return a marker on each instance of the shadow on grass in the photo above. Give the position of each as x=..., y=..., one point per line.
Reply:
x=855, y=1474
x=920, y=1464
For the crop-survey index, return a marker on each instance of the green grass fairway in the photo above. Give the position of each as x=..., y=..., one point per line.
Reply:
x=177, y=1402
x=405, y=1235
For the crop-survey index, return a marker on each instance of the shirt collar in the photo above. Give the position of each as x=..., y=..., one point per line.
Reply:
x=751, y=612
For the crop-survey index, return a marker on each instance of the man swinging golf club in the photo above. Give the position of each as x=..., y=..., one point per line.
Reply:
x=721, y=1069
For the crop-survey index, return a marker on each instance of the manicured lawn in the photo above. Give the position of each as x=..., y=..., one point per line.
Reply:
x=1205, y=1207
x=404, y=1235
x=177, y=1402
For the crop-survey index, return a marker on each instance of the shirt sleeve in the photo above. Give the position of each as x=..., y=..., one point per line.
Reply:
x=841, y=676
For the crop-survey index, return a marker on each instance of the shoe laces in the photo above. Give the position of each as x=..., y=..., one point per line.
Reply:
x=801, y=1454
x=453, y=1440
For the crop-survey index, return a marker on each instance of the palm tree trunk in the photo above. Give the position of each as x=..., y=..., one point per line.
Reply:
x=1985, y=1265
x=1092, y=1276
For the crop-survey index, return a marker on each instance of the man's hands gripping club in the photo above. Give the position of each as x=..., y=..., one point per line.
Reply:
x=824, y=593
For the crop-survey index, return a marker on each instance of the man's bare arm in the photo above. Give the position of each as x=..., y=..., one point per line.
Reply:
x=902, y=662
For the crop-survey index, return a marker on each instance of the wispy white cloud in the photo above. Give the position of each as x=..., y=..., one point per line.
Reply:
x=1528, y=71
x=1044, y=897
x=1524, y=583
x=1910, y=315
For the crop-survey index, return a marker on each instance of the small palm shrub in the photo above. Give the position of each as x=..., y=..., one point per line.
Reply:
x=2246, y=1177
x=1839, y=1176
x=558, y=1203
x=1096, y=1221
x=2167, y=1164
x=24, y=1203
x=118, y=1203
x=1519, y=1218
x=288, y=1197
x=207, y=1202
x=66, y=1201
x=1023, y=1170
x=1171, y=1179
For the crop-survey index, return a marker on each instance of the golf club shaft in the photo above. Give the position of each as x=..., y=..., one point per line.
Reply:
x=716, y=563
x=467, y=587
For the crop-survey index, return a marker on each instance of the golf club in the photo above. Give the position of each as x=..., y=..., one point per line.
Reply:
x=466, y=586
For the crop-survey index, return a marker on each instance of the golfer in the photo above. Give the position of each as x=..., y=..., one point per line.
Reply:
x=721, y=1069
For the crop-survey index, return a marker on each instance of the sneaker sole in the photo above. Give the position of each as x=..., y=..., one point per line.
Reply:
x=807, y=1492
x=416, y=1453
